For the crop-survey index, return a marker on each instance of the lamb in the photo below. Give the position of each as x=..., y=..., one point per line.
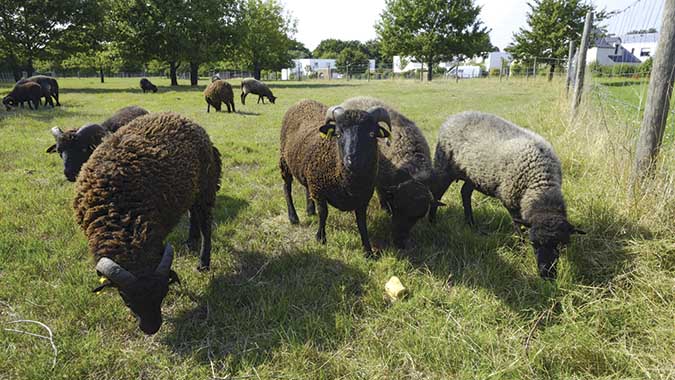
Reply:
x=76, y=145
x=146, y=85
x=256, y=87
x=131, y=194
x=219, y=92
x=403, y=182
x=50, y=88
x=333, y=153
x=23, y=92
x=513, y=164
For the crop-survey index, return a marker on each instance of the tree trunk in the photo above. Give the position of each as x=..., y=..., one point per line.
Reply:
x=173, y=67
x=430, y=72
x=30, y=70
x=256, y=71
x=101, y=74
x=194, y=73
x=16, y=70
x=551, y=70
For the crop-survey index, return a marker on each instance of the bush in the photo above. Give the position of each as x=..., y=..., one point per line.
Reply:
x=494, y=72
x=646, y=66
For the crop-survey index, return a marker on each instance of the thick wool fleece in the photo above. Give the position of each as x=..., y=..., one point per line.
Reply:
x=138, y=183
x=123, y=117
x=25, y=92
x=218, y=92
x=256, y=87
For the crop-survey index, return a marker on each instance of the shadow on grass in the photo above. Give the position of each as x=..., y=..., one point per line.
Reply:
x=47, y=114
x=246, y=113
x=306, y=85
x=227, y=208
x=624, y=83
x=132, y=90
x=294, y=298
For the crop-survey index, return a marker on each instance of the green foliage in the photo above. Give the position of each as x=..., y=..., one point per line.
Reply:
x=494, y=72
x=355, y=59
x=646, y=66
x=298, y=50
x=432, y=30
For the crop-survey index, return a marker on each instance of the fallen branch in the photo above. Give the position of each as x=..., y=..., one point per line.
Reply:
x=50, y=338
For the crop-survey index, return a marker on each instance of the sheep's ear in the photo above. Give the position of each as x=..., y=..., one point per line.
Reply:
x=51, y=149
x=382, y=132
x=327, y=130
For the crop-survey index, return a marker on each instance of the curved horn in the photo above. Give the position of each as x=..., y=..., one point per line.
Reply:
x=380, y=114
x=115, y=273
x=57, y=132
x=333, y=113
x=167, y=258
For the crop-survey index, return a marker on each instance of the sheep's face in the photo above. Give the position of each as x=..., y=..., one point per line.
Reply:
x=144, y=298
x=548, y=235
x=9, y=102
x=272, y=98
x=75, y=148
x=409, y=201
x=355, y=133
x=153, y=88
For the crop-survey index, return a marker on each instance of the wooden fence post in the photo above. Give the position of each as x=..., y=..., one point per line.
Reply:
x=570, y=65
x=581, y=64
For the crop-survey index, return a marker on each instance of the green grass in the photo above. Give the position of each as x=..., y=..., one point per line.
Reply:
x=276, y=304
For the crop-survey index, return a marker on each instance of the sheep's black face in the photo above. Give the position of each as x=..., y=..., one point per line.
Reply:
x=153, y=87
x=9, y=102
x=272, y=98
x=144, y=298
x=410, y=202
x=547, y=236
x=73, y=153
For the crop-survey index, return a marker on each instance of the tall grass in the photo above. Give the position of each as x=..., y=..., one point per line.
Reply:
x=278, y=305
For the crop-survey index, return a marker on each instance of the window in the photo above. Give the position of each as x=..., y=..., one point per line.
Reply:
x=644, y=52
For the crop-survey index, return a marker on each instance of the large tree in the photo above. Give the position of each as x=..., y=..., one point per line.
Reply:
x=431, y=31
x=266, y=36
x=551, y=25
x=44, y=29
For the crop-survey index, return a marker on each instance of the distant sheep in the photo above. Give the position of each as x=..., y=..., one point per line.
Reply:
x=50, y=88
x=23, y=92
x=76, y=145
x=516, y=166
x=256, y=87
x=146, y=85
x=404, y=174
x=333, y=153
x=219, y=92
x=130, y=195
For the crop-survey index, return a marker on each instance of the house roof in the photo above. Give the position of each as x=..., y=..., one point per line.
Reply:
x=607, y=42
x=640, y=38
x=626, y=57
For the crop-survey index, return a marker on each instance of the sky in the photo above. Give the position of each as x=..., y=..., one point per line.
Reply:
x=355, y=19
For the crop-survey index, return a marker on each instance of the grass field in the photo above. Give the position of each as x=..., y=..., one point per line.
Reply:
x=278, y=305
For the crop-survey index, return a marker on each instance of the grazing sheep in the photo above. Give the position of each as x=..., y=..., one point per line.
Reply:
x=146, y=85
x=256, y=87
x=333, y=153
x=404, y=175
x=23, y=92
x=215, y=78
x=76, y=145
x=50, y=88
x=512, y=164
x=131, y=194
x=219, y=92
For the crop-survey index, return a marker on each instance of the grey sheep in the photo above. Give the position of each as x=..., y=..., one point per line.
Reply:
x=256, y=87
x=146, y=85
x=512, y=164
x=23, y=92
x=50, y=88
x=404, y=176
x=218, y=92
x=76, y=145
x=130, y=195
x=333, y=153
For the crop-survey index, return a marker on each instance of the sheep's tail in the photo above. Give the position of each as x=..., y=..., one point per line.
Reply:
x=218, y=166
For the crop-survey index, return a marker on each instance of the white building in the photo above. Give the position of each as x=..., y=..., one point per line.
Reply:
x=322, y=66
x=494, y=60
x=641, y=46
x=411, y=64
x=608, y=51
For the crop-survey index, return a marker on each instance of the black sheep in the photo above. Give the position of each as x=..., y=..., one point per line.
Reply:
x=146, y=85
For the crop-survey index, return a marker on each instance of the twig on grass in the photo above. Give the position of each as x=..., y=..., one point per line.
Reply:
x=50, y=338
x=544, y=314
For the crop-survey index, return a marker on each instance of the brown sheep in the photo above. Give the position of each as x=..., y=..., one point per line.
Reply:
x=219, y=92
x=23, y=92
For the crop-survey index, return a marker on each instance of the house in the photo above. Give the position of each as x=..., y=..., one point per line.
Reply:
x=642, y=45
x=405, y=64
x=325, y=68
x=609, y=51
x=494, y=60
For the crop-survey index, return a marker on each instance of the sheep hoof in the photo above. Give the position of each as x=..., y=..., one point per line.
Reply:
x=293, y=219
x=321, y=238
x=372, y=255
x=203, y=268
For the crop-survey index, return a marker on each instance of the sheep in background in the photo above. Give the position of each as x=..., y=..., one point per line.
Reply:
x=333, y=153
x=50, y=87
x=256, y=87
x=76, y=145
x=30, y=92
x=219, y=92
x=512, y=164
x=146, y=85
x=131, y=194
x=404, y=175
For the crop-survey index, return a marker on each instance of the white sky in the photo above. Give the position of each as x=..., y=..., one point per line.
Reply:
x=355, y=19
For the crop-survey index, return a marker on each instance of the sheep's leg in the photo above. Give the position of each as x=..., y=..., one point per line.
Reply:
x=363, y=229
x=311, y=208
x=56, y=96
x=232, y=104
x=243, y=98
x=193, y=236
x=205, y=220
x=467, y=190
x=443, y=181
x=384, y=203
x=260, y=97
x=323, y=215
x=228, y=107
x=30, y=106
x=208, y=106
x=288, y=193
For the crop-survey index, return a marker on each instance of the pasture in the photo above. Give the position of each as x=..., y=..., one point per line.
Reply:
x=278, y=305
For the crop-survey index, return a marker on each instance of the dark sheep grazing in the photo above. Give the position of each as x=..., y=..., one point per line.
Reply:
x=333, y=153
x=76, y=145
x=133, y=191
x=50, y=88
x=146, y=85
x=512, y=164
x=23, y=92
x=219, y=92
x=256, y=87
x=404, y=175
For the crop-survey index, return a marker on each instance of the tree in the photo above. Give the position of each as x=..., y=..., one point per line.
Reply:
x=42, y=29
x=432, y=30
x=353, y=59
x=331, y=48
x=552, y=24
x=266, y=39
x=297, y=50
